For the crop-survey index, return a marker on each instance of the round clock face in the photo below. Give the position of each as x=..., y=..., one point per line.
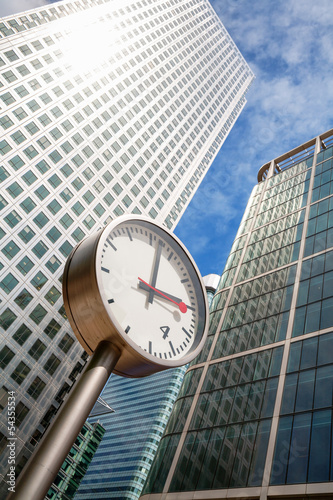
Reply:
x=150, y=289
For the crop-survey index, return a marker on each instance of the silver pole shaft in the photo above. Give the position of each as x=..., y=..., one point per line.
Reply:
x=43, y=466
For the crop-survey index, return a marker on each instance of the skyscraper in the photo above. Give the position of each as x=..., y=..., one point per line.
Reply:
x=254, y=414
x=105, y=109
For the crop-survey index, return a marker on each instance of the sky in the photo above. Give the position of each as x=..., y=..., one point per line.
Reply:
x=289, y=46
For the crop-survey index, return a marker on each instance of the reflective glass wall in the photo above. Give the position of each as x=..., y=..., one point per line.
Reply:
x=255, y=409
x=103, y=112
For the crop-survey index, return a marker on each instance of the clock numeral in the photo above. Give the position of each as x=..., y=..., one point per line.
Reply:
x=165, y=330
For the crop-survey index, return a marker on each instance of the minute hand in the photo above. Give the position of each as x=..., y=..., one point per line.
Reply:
x=175, y=300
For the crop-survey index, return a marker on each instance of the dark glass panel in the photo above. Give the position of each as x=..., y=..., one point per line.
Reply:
x=226, y=460
x=242, y=462
x=275, y=365
x=294, y=357
x=304, y=398
x=326, y=313
x=225, y=406
x=199, y=411
x=182, y=463
x=280, y=460
x=324, y=387
x=299, y=321
x=162, y=463
x=259, y=453
x=239, y=404
x=269, y=399
x=195, y=460
x=315, y=288
x=328, y=285
x=254, y=400
x=210, y=460
x=281, y=330
x=309, y=353
x=299, y=449
x=289, y=393
x=312, y=317
x=212, y=409
x=325, y=349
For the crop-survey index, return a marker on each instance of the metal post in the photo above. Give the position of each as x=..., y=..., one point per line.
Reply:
x=43, y=466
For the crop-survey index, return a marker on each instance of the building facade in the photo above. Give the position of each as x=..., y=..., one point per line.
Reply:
x=77, y=462
x=105, y=109
x=254, y=415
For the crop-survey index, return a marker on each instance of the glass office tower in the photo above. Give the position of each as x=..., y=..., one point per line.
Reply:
x=106, y=108
x=254, y=415
x=77, y=462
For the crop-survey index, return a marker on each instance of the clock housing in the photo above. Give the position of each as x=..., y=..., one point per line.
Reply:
x=135, y=285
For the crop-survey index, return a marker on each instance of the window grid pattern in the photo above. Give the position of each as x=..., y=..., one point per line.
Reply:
x=257, y=315
x=130, y=132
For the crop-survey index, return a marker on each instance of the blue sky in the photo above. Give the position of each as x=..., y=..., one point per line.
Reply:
x=289, y=46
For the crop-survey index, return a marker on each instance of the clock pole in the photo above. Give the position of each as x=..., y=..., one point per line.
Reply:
x=44, y=464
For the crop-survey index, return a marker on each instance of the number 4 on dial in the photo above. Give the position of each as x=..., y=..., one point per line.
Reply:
x=165, y=330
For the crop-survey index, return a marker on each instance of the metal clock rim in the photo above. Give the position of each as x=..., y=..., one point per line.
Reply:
x=188, y=357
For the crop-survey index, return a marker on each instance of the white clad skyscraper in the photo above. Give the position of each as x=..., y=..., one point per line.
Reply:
x=106, y=108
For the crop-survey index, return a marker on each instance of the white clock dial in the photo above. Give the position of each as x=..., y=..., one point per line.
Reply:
x=150, y=289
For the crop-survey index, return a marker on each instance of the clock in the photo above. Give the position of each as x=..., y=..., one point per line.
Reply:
x=135, y=284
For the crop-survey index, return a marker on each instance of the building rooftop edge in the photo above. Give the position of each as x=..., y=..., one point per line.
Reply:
x=295, y=152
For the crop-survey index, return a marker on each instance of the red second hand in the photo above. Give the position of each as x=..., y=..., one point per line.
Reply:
x=182, y=306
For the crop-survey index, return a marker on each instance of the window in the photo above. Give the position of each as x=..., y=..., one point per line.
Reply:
x=26, y=234
x=32, y=128
x=66, y=221
x=89, y=222
x=66, y=195
x=52, y=295
x=23, y=299
x=37, y=349
x=6, y=122
x=52, y=364
x=66, y=248
x=6, y=355
x=52, y=329
x=30, y=152
x=39, y=280
x=20, y=372
x=25, y=265
x=42, y=166
x=36, y=388
x=88, y=197
x=28, y=205
x=22, y=334
x=40, y=249
x=66, y=343
x=78, y=234
x=42, y=192
x=41, y=220
x=8, y=283
x=29, y=178
x=10, y=250
x=38, y=314
x=4, y=147
x=53, y=234
x=21, y=411
x=78, y=208
x=13, y=218
x=53, y=264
